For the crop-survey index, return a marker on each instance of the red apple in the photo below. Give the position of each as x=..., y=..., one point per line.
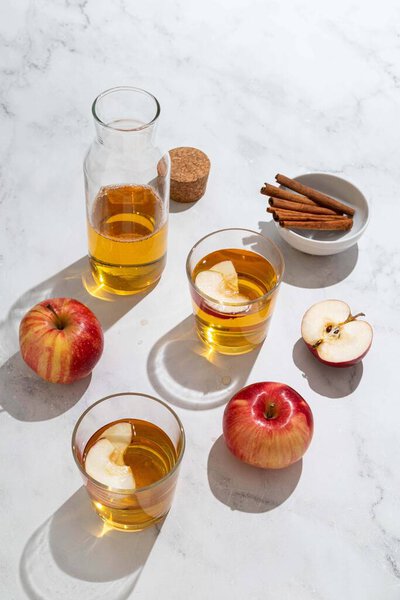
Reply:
x=268, y=425
x=61, y=340
x=334, y=336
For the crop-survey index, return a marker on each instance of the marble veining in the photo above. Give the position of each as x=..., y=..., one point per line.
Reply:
x=261, y=87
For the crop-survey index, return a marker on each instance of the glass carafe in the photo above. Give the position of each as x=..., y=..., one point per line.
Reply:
x=127, y=192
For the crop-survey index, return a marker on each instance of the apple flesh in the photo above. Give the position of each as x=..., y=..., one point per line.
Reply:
x=268, y=425
x=221, y=283
x=334, y=336
x=61, y=340
x=105, y=460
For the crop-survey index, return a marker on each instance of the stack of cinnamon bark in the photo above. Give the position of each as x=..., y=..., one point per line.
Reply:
x=297, y=206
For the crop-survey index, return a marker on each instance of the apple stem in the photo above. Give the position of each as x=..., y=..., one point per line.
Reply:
x=351, y=318
x=59, y=324
x=270, y=412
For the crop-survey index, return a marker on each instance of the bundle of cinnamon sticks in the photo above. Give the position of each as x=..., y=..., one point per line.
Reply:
x=302, y=207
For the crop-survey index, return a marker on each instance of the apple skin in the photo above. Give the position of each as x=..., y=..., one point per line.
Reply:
x=340, y=365
x=61, y=340
x=269, y=443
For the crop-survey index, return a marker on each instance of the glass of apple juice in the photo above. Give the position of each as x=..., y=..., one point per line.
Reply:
x=234, y=277
x=128, y=448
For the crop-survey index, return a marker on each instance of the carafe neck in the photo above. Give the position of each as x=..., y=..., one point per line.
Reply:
x=121, y=137
x=125, y=118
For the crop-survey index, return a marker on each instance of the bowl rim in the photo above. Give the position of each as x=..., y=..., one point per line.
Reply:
x=353, y=237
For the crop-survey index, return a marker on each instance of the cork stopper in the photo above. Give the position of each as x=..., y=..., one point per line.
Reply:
x=189, y=173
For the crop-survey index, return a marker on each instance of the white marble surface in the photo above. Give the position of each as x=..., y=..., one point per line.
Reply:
x=293, y=86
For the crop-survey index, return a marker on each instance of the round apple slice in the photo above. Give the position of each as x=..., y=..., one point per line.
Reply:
x=221, y=283
x=209, y=282
x=228, y=272
x=101, y=464
x=120, y=435
x=334, y=335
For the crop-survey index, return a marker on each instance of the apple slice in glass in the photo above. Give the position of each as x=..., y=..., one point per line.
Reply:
x=222, y=284
x=120, y=435
x=104, y=461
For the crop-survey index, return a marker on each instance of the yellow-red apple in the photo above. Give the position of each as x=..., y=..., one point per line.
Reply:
x=61, y=340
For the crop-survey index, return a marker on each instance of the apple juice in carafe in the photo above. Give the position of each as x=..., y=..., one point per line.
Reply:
x=244, y=328
x=127, y=231
x=127, y=192
x=150, y=455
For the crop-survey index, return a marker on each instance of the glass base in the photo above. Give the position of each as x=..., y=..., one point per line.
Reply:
x=130, y=528
x=126, y=280
x=125, y=520
x=228, y=342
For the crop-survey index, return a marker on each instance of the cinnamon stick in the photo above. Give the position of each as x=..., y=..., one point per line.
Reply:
x=291, y=215
x=319, y=197
x=275, y=192
x=317, y=210
x=335, y=225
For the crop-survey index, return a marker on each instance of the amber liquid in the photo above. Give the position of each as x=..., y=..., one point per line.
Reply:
x=127, y=231
x=243, y=331
x=151, y=456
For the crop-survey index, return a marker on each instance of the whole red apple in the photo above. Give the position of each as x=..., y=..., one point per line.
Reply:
x=61, y=340
x=334, y=336
x=268, y=425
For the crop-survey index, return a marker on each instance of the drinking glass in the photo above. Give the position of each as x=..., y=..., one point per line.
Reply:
x=239, y=327
x=127, y=192
x=129, y=510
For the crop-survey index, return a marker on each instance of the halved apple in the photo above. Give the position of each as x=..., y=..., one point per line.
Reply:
x=104, y=461
x=221, y=283
x=334, y=335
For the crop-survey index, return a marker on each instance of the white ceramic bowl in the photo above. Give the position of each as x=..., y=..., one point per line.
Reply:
x=324, y=243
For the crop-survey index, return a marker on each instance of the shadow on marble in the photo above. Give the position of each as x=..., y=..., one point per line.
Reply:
x=27, y=397
x=190, y=375
x=177, y=207
x=306, y=270
x=74, y=550
x=22, y=393
x=246, y=488
x=331, y=382
x=75, y=281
